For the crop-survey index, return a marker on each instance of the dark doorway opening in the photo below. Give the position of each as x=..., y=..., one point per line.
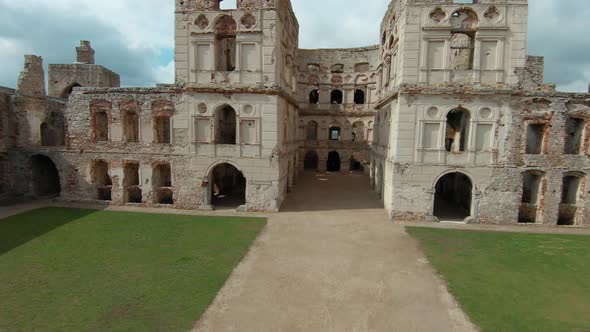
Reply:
x=453, y=197
x=228, y=187
x=311, y=161
x=333, y=164
x=356, y=165
x=45, y=177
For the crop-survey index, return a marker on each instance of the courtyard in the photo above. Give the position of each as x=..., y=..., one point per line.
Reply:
x=87, y=270
x=331, y=261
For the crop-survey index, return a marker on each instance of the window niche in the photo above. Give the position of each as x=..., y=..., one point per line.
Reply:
x=312, y=131
x=314, y=96
x=535, y=138
x=336, y=97
x=130, y=120
x=162, y=111
x=359, y=97
x=131, y=182
x=225, y=43
x=102, y=180
x=457, y=130
x=572, y=192
x=464, y=24
x=100, y=110
x=533, y=196
x=225, y=120
x=162, y=184
x=574, y=136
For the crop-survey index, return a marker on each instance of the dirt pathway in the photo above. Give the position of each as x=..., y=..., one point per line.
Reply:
x=340, y=266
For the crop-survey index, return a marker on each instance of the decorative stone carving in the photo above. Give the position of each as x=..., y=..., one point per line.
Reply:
x=438, y=15
x=202, y=22
x=492, y=14
x=248, y=21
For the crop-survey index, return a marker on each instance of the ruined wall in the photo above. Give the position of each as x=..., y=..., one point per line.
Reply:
x=64, y=78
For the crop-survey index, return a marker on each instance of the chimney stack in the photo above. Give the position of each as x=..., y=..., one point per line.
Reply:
x=85, y=53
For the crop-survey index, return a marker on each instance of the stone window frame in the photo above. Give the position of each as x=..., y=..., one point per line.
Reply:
x=546, y=137
x=162, y=113
x=96, y=107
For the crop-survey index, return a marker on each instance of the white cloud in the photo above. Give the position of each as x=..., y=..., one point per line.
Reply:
x=130, y=36
x=164, y=74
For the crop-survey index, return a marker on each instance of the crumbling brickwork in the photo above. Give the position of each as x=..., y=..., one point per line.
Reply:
x=448, y=115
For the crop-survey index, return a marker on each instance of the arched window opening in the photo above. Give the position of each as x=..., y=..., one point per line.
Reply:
x=45, y=177
x=535, y=138
x=225, y=43
x=102, y=180
x=336, y=97
x=314, y=97
x=533, y=196
x=464, y=24
x=225, y=132
x=574, y=135
x=162, y=129
x=131, y=183
x=333, y=163
x=130, y=126
x=452, y=200
x=100, y=110
x=228, y=187
x=462, y=50
x=68, y=90
x=311, y=162
x=334, y=133
x=312, y=131
x=457, y=132
x=46, y=135
x=162, y=184
x=573, y=187
x=359, y=97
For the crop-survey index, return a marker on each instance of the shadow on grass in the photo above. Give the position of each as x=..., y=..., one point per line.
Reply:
x=22, y=228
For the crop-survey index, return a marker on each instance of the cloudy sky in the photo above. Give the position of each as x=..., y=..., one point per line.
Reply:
x=135, y=37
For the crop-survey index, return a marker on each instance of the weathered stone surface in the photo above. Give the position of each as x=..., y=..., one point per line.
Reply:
x=448, y=114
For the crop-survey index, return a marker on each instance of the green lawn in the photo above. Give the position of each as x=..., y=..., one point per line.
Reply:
x=514, y=281
x=85, y=270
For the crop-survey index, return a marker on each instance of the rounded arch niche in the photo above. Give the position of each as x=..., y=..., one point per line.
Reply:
x=453, y=197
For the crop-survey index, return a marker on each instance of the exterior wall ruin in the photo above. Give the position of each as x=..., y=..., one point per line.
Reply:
x=448, y=115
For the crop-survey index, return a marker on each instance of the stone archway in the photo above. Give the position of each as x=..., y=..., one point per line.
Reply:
x=333, y=164
x=45, y=176
x=228, y=187
x=453, y=197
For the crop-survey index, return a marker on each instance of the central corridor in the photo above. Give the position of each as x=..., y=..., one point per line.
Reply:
x=332, y=261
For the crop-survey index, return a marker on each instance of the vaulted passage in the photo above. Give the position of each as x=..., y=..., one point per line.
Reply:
x=333, y=163
x=46, y=181
x=228, y=187
x=453, y=197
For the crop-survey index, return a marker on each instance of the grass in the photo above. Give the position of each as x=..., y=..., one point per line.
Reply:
x=84, y=270
x=514, y=281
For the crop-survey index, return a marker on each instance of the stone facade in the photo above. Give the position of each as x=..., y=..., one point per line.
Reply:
x=448, y=115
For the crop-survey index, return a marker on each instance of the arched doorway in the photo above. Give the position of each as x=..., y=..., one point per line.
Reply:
x=311, y=161
x=452, y=199
x=45, y=177
x=228, y=186
x=333, y=164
